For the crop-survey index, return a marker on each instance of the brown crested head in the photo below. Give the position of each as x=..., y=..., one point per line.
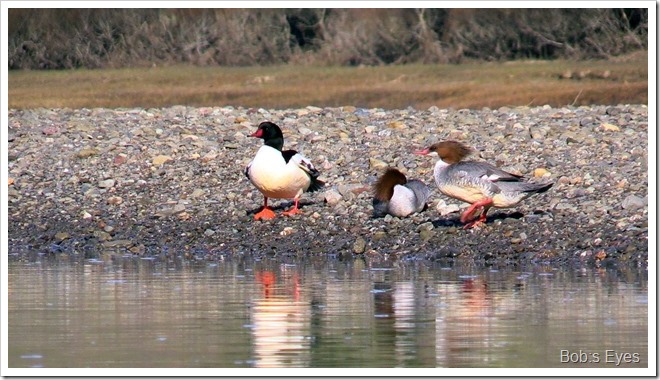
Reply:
x=384, y=187
x=450, y=152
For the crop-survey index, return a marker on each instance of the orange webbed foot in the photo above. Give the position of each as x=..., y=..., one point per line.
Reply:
x=476, y=224
x=266, y=213
x=481, y=222
x=292, y=212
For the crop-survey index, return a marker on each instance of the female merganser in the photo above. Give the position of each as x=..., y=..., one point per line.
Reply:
x=395, y=195
x=280, y=174
x=478, y=183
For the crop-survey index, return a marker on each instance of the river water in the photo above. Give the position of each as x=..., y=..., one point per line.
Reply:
x=314, y=312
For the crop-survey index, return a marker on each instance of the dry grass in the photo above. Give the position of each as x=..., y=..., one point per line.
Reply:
x=469, y=85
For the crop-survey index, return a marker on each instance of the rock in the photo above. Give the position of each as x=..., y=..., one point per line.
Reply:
x=633, y=202
x=61, y=236
x=123, y=243
x=541, y=172
x=375, y=163
x=160, y=159
x=610, y=127
x=115, y=200
x=397, y=125
x=287, y=231
x=428, y=226
x=51, y=130
x=102, y=235
x=426, y=234
x=445, y=209
x=304, y=131
x=359, y=245
x=108, y=183
x=332, y=197
x=538, y=133
x=210, y=156
x=564, y=206
x=197, y=193
x=120, y=159
x=87, y=152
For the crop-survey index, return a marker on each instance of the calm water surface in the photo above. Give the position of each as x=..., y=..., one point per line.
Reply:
x=131, y=312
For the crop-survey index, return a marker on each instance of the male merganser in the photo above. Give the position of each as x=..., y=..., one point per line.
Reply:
x=395, y=195
x=280, y=174
x=478, y=183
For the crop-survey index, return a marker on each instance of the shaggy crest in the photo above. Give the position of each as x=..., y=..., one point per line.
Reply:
x=384, y=187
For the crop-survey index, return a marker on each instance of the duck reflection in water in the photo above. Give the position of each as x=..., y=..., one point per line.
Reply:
x=281, y=319
x=464, y=328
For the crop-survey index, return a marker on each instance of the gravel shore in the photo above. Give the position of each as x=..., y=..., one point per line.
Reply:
x=97, y=182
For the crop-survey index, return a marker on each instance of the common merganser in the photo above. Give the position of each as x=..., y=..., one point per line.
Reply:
x=395, y=195
x=478, y=183
x=280, y=174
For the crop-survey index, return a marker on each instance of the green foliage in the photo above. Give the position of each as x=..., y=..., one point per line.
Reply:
x=94, y=38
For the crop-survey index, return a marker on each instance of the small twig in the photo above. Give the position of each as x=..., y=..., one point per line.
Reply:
x=576, y=97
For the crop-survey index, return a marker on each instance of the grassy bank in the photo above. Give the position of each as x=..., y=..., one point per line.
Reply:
x=470, y=85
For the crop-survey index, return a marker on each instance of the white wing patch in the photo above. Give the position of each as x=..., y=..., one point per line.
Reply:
x=304, y=163
x=491, y=178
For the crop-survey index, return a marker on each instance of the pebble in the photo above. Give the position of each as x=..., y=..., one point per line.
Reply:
x=541, y=172
x=610, y=127
x=359, y=245
x=332, y=197
x=87, y=152
x=197, y=193
x=445, y=209
x=428, y=226
x=375, y=163
x=633, y=202
x=107, y=183
x=60, y=236
x=160, y=159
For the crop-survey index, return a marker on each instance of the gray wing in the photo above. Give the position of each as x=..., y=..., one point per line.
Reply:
x=421, y=191
x=487, y=171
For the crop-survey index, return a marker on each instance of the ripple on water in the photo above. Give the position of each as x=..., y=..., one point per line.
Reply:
x=468, y=276
x=32, y=356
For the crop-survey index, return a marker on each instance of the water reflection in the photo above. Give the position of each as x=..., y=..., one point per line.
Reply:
x=318, y=313
x=281, y=318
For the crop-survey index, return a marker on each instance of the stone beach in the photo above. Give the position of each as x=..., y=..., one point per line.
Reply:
x=152, y=182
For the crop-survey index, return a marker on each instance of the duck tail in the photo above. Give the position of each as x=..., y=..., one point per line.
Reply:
x=538, y=188
x=315, y=184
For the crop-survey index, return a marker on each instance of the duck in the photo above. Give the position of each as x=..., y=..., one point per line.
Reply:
x=478, y=183
x=393, y=194
x=277, y=173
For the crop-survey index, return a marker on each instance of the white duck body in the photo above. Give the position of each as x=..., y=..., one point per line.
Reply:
x=395, y=195
x=408, y=199
x=275, y=178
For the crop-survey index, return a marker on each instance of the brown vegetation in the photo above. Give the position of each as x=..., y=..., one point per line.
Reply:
x=468, y=85
x=112, y=38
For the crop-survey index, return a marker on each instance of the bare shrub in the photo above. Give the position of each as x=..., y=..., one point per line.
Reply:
x=69, y=38
x=543, y=33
